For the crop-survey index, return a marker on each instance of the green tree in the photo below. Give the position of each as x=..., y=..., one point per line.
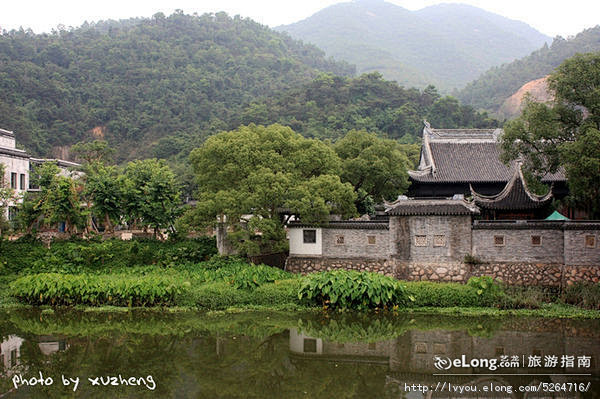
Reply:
x=375, y=167
x=62, y=203
x=150, y=194
x=564, y=132
x=93, y=152
x=103, y=188
x=264, y=172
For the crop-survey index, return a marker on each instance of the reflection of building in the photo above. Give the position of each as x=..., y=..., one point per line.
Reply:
x=49, y=345
x=411, y=357
x=10, y=352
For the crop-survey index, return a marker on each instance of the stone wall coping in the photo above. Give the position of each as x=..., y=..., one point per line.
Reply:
x=536, y=225
x=347, y=224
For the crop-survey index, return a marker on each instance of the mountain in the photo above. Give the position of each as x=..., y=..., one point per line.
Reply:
x=137, y=81
x=447, y=45
x=492, y=88
x=537, y=90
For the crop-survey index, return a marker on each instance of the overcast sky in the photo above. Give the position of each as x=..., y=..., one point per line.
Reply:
x=550, y=17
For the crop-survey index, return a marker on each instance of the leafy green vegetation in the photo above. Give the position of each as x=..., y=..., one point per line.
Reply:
x=427, y=293
x=159, y=87
x=352, y=290
x=81, y=256
x=493, y=87
x=88, y=289
x=136, y=81
x=585, y=295
x=564, y=134
x=330, y=106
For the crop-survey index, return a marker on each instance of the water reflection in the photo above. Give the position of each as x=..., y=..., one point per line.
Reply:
x=286, y=355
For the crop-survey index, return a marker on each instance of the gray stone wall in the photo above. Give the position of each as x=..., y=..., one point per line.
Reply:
x=356, y=243
x=576, y=251
x=430, y=238
x=304, y=265
x=518, y=245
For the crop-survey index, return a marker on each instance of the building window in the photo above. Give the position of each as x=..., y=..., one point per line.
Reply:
x=439, y=348
x=420, y=347
x=310, y=345
x=536, y=241
x=339, y=240
x=22, y=182
x=371, y=240
x=13, y=180
x=372, y=346
x=310, y=236
x=590, y=241
x=536, y=352
x=499, y=241
x=499, y=351
x=420, y=241
x=13, y=358
x=12, y=213
x=439, y=241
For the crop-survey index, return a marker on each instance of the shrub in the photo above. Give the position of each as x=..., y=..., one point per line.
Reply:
x=427, y=293
x=585, y=295
x=85, y=289
x=352, y=290
x=479, y=291
x=281, y=292
x=486, y=286
x=216, y=296
x=78, y=256
x=516, y=297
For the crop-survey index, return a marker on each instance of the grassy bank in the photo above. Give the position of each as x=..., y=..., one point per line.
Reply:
x=178, y=277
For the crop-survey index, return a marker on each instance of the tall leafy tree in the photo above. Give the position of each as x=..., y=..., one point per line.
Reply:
x=258, y=173
x=150, y=194
x=103, y=189
x=564, y=132
x=375, y=167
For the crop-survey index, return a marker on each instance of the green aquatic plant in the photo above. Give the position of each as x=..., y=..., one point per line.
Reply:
x=352, y=290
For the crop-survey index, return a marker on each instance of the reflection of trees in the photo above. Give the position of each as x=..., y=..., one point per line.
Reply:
x=230, y=355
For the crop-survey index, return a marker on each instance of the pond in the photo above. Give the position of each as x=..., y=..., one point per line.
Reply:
x=295, y=355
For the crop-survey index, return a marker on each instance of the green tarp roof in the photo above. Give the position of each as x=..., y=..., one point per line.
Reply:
x=557, y=216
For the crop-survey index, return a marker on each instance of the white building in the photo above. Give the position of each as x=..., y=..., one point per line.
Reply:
x=17, y=166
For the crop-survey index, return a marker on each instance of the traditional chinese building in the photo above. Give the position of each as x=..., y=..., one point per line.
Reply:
x=467, y=162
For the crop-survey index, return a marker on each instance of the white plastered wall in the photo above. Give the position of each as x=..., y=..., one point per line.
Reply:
x=297, y=245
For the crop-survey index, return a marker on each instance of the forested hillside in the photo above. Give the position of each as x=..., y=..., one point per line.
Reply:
x=446, y=45
x=330, y=106
x=134, y=82
x=158, y=87
x=492, y=88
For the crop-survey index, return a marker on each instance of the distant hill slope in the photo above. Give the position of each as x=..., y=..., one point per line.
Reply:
x=493, y=87
x=447, y=44
x=140, y=80
x=537, y=90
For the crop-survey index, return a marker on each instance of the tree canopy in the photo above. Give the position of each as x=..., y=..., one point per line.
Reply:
x=258, y=173
x=564, y=133
x=376, y=168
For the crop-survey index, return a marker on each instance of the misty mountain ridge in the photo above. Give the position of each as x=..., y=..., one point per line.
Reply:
x=447, y=45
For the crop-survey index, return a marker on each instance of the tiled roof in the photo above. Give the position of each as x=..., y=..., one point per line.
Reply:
x=14, y=152
x=6, y=133
x=465, y=156
x=426, y=207
x=515, y=195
